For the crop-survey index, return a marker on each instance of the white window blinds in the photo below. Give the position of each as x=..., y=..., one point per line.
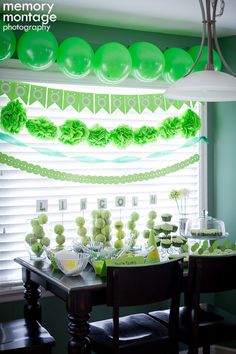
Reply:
x=19, y=191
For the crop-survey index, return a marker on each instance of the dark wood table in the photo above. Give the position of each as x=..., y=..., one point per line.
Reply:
x=80, y=293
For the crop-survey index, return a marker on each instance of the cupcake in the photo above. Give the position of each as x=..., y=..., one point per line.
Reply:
x=166, y=217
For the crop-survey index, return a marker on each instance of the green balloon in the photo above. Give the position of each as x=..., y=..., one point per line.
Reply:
x=112, y=63
x=7, y=42
x=147, y=61
x=177, y=64
x=75, y=57
x=203, y=60
x=37, y=49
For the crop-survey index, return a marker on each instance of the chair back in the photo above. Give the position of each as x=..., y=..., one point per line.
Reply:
x=144, y=284
x=208, y=274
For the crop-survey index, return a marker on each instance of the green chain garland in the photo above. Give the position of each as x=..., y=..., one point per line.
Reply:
x=64, y=176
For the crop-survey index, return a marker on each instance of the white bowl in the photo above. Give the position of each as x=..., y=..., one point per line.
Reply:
x=71, y=263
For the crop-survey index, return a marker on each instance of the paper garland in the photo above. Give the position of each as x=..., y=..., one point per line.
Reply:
x=80, y=100
x=91, y=159
x=70, y=177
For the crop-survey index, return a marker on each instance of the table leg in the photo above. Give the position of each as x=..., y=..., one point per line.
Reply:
x=79, y=308
x=32, y=308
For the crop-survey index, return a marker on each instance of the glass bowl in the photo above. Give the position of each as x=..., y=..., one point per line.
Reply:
x=71, y=263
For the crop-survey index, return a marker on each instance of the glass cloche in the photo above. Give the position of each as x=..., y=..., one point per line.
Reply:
x=205, y=226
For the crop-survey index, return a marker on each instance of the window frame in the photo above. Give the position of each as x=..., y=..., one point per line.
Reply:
x=13, y=70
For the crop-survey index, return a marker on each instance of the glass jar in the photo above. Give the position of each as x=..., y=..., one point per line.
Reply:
x=38, y=237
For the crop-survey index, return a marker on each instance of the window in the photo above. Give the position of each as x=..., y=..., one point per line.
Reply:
x=19, y=191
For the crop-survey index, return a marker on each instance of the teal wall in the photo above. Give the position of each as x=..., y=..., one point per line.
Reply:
x=222, y=120
x=54, y=313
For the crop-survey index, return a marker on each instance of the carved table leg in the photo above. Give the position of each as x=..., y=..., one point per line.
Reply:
x=79, y=308
x=32, y=308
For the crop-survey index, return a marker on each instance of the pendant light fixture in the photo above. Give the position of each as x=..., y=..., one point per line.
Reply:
x=208, y=85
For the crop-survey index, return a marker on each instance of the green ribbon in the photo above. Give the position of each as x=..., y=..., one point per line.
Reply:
x=91, y=159
x=70, y=177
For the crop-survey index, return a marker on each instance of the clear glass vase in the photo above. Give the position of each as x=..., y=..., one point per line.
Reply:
x=182, y=226
x=38, y=238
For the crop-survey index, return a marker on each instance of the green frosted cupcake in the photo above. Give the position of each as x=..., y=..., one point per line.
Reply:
x=165, y=243
x=166, y=217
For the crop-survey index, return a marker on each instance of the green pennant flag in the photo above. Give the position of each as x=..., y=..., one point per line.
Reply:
x=38, y=93
x=86, y=100
x=7, y=88
x=168, y=103
x=55, y=96
x=156, y=101
x=71, y=98
x=118, y=102
x=102, y=101
x=22, y=91
x=145, y=102
x=132, y=101
x=178, y=104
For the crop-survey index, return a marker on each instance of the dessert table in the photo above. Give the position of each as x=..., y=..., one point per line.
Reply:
x=80, y=293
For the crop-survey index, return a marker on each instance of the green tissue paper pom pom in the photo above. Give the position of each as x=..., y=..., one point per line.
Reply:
x=191, y=123
x=122, y=136
x=169, y=128
x=73, y=132
x=13, y=117
x=145, y=135
x=59, y=229
x=98, y=136
x=43, y=219
x=42, y=128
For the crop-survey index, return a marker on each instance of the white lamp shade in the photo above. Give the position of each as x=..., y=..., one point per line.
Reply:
x=204, y=86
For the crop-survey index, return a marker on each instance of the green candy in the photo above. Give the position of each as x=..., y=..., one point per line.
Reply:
x=118, y=224
x=146, y=233
x=131, y=225
x=30, y=239
x=105, y=214
x=80, y=221
x=82, y=231
x=134, y=216
x=152, y=214
x=38, y=231
x=60, y=239
x=43, y=219
x=59, y=229
x=100, y=238
x=100, y=223
x=120, y=234
x=37, y=248
x=45, y=241
x=150, y=224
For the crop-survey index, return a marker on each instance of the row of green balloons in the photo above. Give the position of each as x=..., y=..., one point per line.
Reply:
x=112, y=62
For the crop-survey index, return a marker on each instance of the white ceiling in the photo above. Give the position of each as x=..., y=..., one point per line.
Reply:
x=165, y=16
